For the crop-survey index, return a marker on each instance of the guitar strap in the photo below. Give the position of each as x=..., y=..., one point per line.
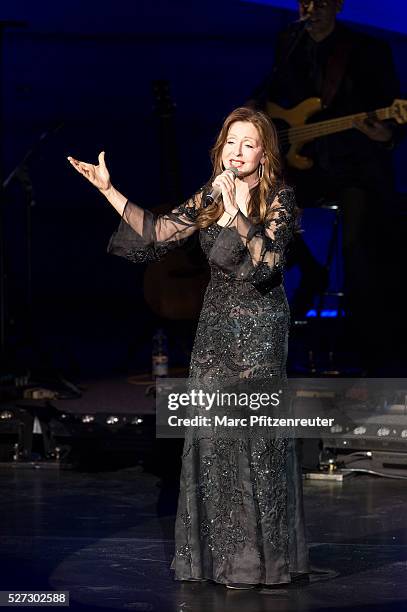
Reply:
x=335, y=71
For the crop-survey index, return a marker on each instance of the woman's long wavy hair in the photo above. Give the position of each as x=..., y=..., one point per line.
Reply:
x=258, y=208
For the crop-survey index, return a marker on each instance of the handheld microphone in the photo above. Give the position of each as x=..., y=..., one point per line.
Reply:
x=216, y=191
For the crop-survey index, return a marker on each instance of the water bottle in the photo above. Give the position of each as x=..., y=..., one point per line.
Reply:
x=159, y=354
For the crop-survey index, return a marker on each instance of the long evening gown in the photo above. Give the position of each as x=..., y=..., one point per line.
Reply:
x=240, y=508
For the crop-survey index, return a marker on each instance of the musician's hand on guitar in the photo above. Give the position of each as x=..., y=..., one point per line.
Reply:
x=97, y=175
x=227, y=183
x=374, y=129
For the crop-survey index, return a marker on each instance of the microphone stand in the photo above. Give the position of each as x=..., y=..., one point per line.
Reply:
x=296, y=36
x=21, y=174
x=281, y=60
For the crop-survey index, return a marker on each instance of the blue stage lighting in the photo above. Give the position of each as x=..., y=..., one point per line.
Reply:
x=364, y=12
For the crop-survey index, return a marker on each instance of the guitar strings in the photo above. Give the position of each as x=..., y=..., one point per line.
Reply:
x=296, y=134
x=308, y=131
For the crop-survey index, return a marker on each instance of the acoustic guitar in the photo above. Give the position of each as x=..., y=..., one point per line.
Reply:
x=299, y=132
x=174, y=286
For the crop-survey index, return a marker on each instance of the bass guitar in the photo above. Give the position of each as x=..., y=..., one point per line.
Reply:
x=299, y=132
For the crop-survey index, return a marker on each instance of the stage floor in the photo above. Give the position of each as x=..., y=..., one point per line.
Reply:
x=107, y=538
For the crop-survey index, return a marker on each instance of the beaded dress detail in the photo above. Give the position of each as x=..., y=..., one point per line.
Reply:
x=240, y=508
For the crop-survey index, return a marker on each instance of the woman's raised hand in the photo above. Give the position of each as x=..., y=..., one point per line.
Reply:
x=97, y=175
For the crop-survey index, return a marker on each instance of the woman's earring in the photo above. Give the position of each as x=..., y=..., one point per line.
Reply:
x=261, y=171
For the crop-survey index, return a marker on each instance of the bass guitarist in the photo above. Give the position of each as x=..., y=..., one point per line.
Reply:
x=350, y=72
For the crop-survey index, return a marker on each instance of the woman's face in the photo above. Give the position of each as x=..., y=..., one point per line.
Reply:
x=243, y=149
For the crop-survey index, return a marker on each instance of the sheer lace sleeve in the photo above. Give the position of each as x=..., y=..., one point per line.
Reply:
x=256, y=252
x=144, y=237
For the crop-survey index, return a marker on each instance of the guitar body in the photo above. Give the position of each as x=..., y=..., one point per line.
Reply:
x=174, y=287
x=296, y=117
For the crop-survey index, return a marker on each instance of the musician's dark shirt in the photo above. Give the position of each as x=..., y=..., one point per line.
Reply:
x=369, y=82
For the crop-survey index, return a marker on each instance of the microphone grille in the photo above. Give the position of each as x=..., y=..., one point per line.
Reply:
x=234, y=170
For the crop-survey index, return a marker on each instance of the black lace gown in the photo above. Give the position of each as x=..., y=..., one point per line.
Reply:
x=240, y=509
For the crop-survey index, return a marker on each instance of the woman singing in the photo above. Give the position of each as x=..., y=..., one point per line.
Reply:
x=240, y=510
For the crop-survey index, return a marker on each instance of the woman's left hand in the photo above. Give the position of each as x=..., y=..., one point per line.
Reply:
x=226, y=182
x=235, y=193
